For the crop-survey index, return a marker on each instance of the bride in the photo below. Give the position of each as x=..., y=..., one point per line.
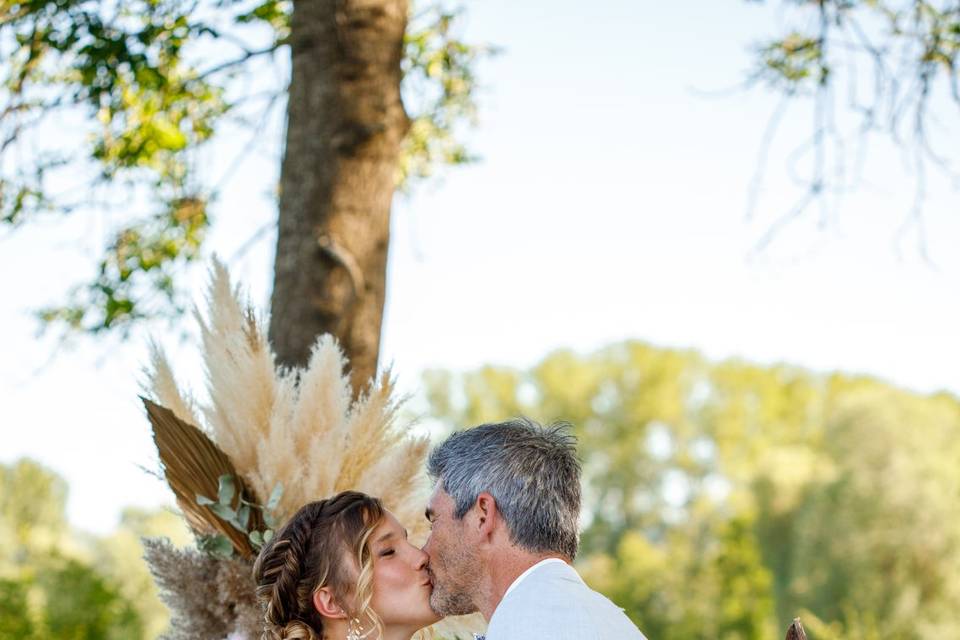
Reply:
x=342, y=568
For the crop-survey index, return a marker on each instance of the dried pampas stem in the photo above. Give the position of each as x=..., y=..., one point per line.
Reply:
x=208, y=597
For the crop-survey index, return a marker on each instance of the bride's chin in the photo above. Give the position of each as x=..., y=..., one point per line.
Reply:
x=414, y=621
x=429, y=618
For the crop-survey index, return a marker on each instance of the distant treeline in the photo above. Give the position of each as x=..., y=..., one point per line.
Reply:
x=724, y=499
x=721, y=501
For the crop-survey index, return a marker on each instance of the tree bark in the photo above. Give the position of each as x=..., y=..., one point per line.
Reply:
x=345, y=124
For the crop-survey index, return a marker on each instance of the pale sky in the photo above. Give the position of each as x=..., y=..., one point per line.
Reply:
x=609, y=205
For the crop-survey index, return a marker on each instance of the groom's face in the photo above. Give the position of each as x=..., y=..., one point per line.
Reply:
x=454, y=567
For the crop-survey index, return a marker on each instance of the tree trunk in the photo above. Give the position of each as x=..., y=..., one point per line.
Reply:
x=345, y=124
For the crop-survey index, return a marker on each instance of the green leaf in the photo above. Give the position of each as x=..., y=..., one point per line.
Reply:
x=204, y=500
x=168, y=135
x=275, y=496
x=243, y=518
x=227, y=490
x=216, y=545
x=222, y=547
x=224, y=512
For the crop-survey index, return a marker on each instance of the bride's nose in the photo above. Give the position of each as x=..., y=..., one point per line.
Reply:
x=420, y=558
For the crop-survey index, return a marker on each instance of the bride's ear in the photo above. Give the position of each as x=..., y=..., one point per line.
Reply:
x=326, y=605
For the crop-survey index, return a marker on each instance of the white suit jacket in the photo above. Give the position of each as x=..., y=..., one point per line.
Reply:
x=553, y=603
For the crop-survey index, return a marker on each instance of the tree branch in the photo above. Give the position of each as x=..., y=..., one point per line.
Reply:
x=247, y=55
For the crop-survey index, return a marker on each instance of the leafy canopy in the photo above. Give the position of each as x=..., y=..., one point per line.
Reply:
x=148, y=85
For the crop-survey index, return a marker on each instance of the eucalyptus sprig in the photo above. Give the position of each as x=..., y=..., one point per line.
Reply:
x=236, y=511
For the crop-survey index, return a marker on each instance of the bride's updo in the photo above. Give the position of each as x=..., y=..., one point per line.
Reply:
x=312, y=550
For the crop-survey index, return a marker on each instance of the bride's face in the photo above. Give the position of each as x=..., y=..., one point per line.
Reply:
x=401, y=584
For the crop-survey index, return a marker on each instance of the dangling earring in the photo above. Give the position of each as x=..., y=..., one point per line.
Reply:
x=355, y=631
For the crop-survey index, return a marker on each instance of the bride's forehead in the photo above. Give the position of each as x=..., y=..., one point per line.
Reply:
x=388, y=524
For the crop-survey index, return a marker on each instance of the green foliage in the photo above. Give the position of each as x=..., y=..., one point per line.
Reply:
x=927, y=32
x=236, y=511
x=15, y=620
x=866, y=67
x=440, y=91
x=80, y=603
x=275, y=13
x=714, y=588
x=722, y=500
x=59, y=583
x=126, y=66
x=138, y=74
x=56, y=597
x=144, y=255
x=793, y=61
x=877, y=538
x=32, y=504
x=746, y=602
x=119, y=557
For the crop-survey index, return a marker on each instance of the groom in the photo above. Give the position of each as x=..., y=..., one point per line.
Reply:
x=504, y=531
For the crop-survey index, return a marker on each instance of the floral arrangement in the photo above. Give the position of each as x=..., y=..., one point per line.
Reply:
x=267, y=441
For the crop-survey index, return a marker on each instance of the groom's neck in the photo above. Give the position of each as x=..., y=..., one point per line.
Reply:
x=503, y=569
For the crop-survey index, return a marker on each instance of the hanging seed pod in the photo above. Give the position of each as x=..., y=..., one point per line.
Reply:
x=795, y=631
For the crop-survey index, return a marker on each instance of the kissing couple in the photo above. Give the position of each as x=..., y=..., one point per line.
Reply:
x=504, y=518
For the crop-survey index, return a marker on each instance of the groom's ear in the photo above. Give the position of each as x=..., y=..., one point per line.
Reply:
x=487, y=514
x=326, y=605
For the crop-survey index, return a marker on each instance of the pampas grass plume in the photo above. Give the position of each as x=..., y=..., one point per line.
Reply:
x=297, y=428
x=241, y=373
x=161, y=383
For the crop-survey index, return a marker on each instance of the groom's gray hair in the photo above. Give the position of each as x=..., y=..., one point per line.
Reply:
x=531, y=471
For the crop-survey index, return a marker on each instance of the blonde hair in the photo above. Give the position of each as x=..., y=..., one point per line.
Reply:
x=307, y=554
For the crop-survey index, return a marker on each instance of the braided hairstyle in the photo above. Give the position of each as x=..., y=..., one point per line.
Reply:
x=309, y=552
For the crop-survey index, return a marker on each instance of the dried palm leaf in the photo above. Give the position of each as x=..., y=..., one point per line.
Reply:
x=193, y=465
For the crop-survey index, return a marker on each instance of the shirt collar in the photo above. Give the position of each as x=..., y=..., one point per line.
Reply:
x=528, y=572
